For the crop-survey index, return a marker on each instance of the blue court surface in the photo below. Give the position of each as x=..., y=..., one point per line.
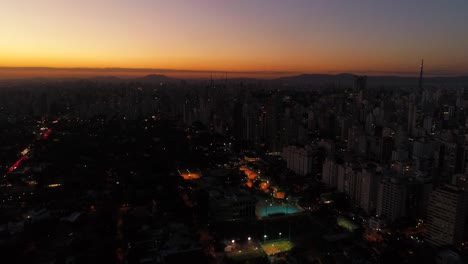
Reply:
x=264, y=210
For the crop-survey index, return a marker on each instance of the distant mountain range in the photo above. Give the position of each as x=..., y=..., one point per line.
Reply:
x=345, y=79
x=153, y=78
x=309, y=80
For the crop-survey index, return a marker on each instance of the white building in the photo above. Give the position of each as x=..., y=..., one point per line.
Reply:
x=298, y=159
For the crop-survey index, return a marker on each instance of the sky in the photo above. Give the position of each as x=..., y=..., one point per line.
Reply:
x=242, y=37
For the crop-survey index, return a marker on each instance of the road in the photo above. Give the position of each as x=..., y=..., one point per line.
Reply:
x=44, y=134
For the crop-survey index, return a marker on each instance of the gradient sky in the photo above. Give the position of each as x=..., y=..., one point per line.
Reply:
x=314, y=36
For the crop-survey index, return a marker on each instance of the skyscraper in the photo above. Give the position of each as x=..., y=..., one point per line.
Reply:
x=370, y=179
x=446, y=216
x=392, y=198
x=411, y=118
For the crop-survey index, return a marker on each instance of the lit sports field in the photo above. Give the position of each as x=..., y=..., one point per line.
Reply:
x=278, y=246
x=346, y=223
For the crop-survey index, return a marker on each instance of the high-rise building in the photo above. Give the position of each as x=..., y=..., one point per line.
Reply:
x=272, y=123
x=411, y=118
x=392, y=198
x=446, y=215
x=298, y=159
x=329, y=173
x=360, y=84
x=352, y=182
x=428, y=125
x=370, y=180
x=237, y=119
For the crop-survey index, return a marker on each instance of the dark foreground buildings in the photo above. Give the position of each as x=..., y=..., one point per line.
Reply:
x=304, y=169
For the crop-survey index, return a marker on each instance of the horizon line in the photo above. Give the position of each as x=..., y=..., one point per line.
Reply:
x=272, y=73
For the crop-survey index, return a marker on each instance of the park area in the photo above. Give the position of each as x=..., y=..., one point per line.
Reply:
x=239, y=253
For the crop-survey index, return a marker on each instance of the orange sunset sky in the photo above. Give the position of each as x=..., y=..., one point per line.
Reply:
x=244, y=38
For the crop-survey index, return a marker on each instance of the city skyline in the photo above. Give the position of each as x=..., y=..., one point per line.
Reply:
x=239, y=37
x=217, y=131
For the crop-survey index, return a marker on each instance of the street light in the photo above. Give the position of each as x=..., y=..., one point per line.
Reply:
x=264, y=238
x=249, y=238
x=233, y=241
x=280, y=235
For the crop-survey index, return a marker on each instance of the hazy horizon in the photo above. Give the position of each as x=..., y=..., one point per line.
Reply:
x=53, y=72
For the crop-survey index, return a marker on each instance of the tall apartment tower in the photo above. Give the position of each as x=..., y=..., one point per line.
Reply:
x=329, y=174
x=369, y=190
x=446, y=215
x=298, y=159
x=411, y=118
x=360, y=85
x=414, y=102
x=392, y=198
